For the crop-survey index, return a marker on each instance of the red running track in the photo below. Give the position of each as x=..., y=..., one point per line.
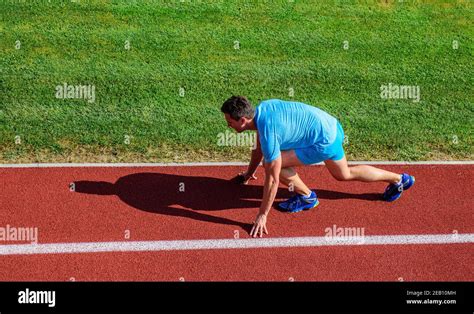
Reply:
x=182, y=203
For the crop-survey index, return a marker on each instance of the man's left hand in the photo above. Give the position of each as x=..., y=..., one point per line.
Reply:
x=259, y=226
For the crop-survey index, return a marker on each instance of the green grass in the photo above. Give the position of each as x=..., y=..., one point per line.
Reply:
x=190, y=44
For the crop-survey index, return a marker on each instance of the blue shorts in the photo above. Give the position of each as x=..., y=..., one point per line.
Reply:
x=315, y=154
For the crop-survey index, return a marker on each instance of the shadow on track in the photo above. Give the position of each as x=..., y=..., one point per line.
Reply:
x=335, y=195
x=186, y=196
x=180, y=196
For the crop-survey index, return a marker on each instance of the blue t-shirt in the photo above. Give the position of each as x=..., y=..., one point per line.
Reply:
x=286, y=125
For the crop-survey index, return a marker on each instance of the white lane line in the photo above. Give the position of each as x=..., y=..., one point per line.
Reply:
x=212, y=244
x=207, y=164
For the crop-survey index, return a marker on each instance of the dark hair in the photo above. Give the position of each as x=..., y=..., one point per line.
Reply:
x=238, y=107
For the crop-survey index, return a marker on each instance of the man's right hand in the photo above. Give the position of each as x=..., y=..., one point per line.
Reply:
x=245, y=177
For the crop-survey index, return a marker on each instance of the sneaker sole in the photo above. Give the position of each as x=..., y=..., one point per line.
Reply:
x=404, y=189
x=412, y=184
x=399, y=195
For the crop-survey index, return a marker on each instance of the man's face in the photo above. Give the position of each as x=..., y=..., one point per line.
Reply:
x=238, y=126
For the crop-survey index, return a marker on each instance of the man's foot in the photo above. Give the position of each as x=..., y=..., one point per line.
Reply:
x=299, y=202
x=284, y=205
x=394, y=191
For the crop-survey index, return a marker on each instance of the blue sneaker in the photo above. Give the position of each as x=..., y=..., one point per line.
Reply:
x=394, y=191
x=284, y=205
x=299, y=202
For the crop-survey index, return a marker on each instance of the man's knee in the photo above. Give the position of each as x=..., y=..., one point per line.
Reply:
x=287, y=172
x=343, y=175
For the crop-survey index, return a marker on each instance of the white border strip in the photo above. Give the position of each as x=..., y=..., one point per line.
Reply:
x=208, y=164
x=179, y=245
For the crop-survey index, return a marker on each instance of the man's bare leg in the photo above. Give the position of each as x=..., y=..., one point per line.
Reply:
x=288, y=175
x=341, y=171
x=291, y=179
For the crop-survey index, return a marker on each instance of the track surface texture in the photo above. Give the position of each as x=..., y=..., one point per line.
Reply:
x=129, y=204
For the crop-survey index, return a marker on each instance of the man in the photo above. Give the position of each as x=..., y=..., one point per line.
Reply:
x=293, y=134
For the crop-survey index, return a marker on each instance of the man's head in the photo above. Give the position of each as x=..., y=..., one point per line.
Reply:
x=238, y=113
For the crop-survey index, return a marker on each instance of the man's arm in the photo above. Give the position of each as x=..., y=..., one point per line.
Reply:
x=272, y=180
x=255, y=160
